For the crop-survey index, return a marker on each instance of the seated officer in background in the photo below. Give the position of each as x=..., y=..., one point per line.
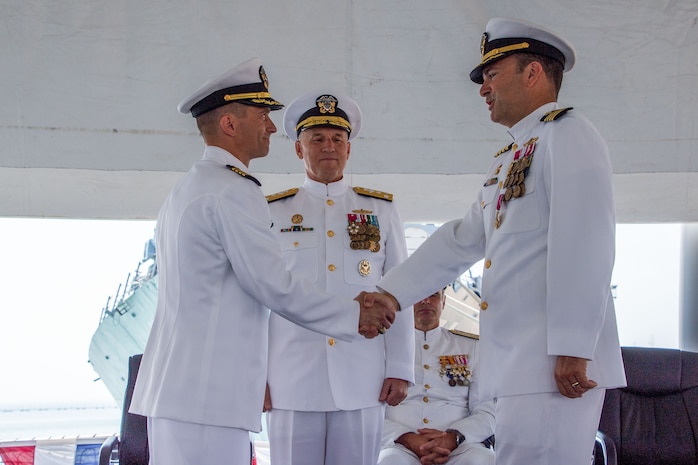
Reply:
x=442, y=420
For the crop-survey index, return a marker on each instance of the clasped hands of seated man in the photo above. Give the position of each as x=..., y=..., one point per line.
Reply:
x=377, y=313
x=432, y=446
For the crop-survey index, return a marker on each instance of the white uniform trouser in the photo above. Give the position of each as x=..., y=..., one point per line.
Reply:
x=325, y=438
x=547, y=428
x=466, y=454
x=179, y=443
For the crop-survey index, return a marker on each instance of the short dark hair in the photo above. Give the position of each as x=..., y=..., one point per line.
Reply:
x=552, y=67
x=208, y=121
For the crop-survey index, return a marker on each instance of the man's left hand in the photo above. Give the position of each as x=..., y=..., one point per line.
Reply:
x=571, y=376
x=394, y=391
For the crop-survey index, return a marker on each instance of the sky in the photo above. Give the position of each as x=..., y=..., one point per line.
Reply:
x=56, y=277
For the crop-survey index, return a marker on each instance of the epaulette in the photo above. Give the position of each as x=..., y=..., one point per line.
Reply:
x=458, y=332
x=555, y=114
x=237, y=170
x=281, y=195
x=504, y=150
x=374, y=193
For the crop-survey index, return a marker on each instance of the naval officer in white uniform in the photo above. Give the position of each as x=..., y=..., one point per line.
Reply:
x=327, y=395
x=544, y=222
x=443, y=419
x=201, y=380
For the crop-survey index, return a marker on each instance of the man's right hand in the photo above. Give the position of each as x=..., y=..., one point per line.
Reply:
x=377, y=313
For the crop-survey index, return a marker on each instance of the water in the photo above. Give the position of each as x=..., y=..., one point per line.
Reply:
x=58, y=422
x=25, y=424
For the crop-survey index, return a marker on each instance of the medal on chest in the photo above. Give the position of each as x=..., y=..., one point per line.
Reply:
x=455, y=369
x=364, y=230
x=515, y=183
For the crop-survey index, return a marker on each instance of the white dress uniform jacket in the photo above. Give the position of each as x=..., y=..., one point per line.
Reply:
x=547, y=272
x=220, y=266
x=432, y=402
x=309, y=371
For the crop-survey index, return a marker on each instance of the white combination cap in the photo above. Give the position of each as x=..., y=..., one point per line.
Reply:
x=504, y=37
x=326, y=109
x=246, y=83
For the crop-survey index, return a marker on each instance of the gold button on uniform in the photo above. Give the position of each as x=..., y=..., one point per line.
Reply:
x=295, y=244
x=425, y=420
x=426, y=367
x=330, y=233
x=425, y=399
x=483, y=306
x=331, y=267
x=427, y=386
x=330, y=202
x=426, y=346
x=330, y=341
x=488, y=263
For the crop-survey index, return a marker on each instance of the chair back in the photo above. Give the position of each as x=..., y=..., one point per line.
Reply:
x=133, y=445
x=654, y=420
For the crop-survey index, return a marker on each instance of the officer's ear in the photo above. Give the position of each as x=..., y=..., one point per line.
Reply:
x=228, y=123
x=299, y=150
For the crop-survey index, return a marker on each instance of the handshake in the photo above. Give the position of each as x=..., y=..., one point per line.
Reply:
x=377, y=313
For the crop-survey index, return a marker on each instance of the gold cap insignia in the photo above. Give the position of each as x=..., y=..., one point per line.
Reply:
x=326, y=103
x=263, y=77
x=483, y=43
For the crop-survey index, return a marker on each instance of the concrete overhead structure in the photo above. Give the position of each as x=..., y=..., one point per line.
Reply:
x=89, y=126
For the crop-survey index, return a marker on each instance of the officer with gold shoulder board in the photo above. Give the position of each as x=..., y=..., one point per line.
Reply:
x=201, y=379
x=327, y=396
x=544, y=221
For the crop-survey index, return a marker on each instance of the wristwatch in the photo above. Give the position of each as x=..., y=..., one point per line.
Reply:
x=460, y=438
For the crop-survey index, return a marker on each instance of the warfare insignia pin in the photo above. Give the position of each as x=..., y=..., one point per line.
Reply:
x=364, y=268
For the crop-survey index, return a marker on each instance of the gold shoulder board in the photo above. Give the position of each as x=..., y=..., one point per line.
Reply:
x=555, y=114
x=458, y=332
x=374, y=193
x=504, y=150
x=237, y=170
x=281, y=195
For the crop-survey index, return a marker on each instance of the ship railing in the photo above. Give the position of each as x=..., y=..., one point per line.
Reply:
x=129, y=286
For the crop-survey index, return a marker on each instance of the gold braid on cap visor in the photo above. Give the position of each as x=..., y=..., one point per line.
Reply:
x=498, y=52
x=323, y=120
x=249, y=95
